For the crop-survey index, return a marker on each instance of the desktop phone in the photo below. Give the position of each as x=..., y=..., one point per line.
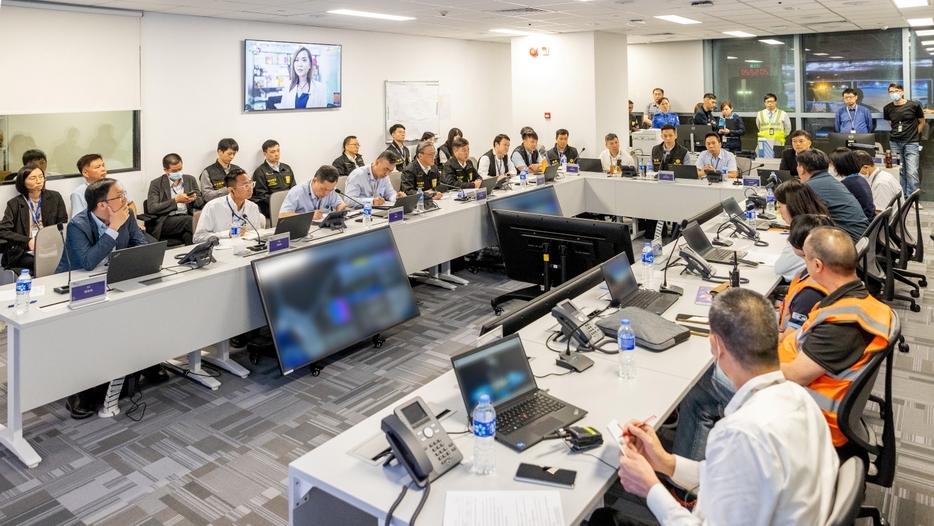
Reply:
x=419, y=442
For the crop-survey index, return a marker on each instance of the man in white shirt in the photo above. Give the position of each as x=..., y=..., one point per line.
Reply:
x=219, y=214
x=496, y=162
x=370, y=184
x=716, y=158
x=317, y=196
x=884, y=185
x=614, y=155
x=770, y=460
x=92, y=168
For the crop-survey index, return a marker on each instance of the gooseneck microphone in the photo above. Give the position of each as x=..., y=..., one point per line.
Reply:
x=260, y=243
x=751, y=168
x=338, y=192
x=67, y=287
x=674, y=289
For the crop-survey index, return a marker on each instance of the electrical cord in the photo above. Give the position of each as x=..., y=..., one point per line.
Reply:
x=188, y=372
x=421, y=503
x=395, y=504
x=136, y=406
x=553, y=374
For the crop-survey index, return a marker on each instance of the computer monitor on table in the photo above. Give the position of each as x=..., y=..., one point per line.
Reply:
x=855, y=141
x=542, y=200
x=698, y=132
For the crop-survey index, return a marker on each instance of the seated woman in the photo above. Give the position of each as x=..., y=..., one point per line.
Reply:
x=459, y=171
x=795, y=198
x=25, y=214
x=446, y=150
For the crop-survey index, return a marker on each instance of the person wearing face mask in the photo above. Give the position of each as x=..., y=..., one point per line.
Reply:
x=803, y=292
x=843, y=165
x=906, y=117
x=884, y=185
x=173, y=198
x=351, y=159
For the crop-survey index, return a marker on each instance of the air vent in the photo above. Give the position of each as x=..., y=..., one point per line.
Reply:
x=702, y=3
x=519, y=11
x=660, y=35
x=828, y=23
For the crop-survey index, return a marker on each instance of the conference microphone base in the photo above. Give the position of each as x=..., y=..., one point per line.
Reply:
x=671, y=289
x=574, y=361
x=63, y=289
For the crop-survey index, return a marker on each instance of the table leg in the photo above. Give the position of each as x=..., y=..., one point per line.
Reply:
x=431, y=277
x=11, y=435
x=193, y=371
x=111, y=407
x=447, y=276
x=222, y=360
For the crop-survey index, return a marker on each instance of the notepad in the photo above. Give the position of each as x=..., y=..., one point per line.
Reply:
x=503, y=508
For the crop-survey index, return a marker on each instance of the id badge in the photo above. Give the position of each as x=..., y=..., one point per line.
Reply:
x=33, y=232
x=899, y=127
x=771, y=131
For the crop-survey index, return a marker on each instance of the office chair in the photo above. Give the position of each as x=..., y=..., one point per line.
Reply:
x=341, y=183
x=395, y=179
x=49, y=250
x=275, y=204
x=850, y=493
x=908, y=244
x=852, y=419
x=876, y=268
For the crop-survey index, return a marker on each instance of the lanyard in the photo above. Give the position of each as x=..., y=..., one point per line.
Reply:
x=233, y=214
x=374, y=184
x=717, y=165
x=315, y=202
x=35, y=212
x=850, y=115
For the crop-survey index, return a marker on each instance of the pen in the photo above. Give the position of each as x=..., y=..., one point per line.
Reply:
x=639, y=425
x=31, y=302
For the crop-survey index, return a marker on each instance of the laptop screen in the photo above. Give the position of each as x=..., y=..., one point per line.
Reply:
x=619, y=277
x=696, y=238
x=499, y=369
x=732, y=208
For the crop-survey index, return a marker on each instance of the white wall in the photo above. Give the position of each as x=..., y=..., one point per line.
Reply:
x=611, y=87
x=676, y=67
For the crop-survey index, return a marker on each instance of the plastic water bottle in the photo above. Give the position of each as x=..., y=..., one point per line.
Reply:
x=627, y=350
x=23, y=288
x=420, y=207
x=367, y=216
x=770, y=203
x=648, y=264
x=563, y=160
x=484, y=433
x=751, y=215
x=641, y=166
x=523, y=177
x=236, y=237
x=724, y=174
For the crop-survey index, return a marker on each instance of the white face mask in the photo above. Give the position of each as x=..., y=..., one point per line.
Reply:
x=832, y=171
x=895, y=96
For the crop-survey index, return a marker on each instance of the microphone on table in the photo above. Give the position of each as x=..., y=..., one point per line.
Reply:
x=342, y=194
x=260, y=244
x=67, y=287
x=751, y=168
x=673, y=289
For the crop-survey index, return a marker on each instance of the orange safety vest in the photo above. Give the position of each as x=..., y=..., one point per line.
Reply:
x=796, y=286
x=828, y=389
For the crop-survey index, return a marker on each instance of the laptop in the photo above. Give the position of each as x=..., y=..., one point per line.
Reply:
x=685, y=172
x=590, y=165
x=524, y=413
x=297, y=226
x=624, y=289
x=133, y=262
x=551, y=172
x=765, y=173
x=408, y=203
x=489, y=184
x=697, y=240
x=732, y=208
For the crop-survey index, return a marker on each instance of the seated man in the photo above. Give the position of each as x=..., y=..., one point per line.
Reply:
x=421, y=173
x=883, y=184
x=270, y=177
x=351, y=159
x=92, y=168
x=496, y=162
x=173, y=198
x=526, y=155
x=317, y=196
x=562, y=149
x=218, y=215
x=212, y=177
x=844, y=208
x=769, y=461
x=403, y=157
x=715, y=158
x=669, y=153
x=841, y=333
x=459, y=171
x=370, y=184
x=800, y=141
x=614, y=155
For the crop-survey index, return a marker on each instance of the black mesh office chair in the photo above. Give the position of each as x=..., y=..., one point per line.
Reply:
x=908, y=244
x=853, y=415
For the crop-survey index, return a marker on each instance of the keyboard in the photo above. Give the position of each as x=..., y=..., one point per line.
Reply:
x=641, y=299
x=528, y=410
x=723, y=255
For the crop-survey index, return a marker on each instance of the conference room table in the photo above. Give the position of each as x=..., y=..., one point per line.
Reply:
x=333, y=482
x=54, y=351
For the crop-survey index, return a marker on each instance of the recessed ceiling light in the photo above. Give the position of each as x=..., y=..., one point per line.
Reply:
x=731, y=58
x=927, y=42
x=901, y=4
x=925, y=32
x=921, y=22
x=753, y=61
x=677, y=19
x=771, y=41
x=365, y=14
x=510, y=32
x=820, y=54
x=837, y=56
x=741, y=34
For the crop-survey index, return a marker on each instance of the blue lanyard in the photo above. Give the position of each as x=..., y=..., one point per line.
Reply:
x=35, y=212
x=716, y=166
x=233, y=214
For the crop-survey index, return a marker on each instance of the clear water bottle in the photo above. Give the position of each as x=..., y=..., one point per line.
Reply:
x=367, y=215
x=484, y=434
x=770, y=203
x=641, y=167
x=563, y=160
x=751, y=215
x=648, y=264
x=420, y=207
x=524, y=177
x=627, y=350
x=724, y=174
x=23, y=288
x=236, y=237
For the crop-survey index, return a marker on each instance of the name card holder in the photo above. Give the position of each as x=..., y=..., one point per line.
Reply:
x=396, y=216
x=87, y=291
x=752, y=181
x=279, y=243
x=572, y=169
x=481, y=195
x=666, y=176
x=540, y=180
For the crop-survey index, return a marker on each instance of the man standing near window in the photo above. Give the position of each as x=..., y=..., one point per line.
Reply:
x=906, y=119
x=852, y=118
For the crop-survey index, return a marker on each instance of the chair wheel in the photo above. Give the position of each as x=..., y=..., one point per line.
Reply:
x=903, y=347
x=315, y=371
x=915, y=308
x=915, y=294
x=254, y=359
x=923, y=283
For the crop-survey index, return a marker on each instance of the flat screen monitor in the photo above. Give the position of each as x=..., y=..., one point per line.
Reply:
x=291, y=76
x=573, y=245
x=685, y=132
x=848, y=140
x=539, y=201
x=324, y=298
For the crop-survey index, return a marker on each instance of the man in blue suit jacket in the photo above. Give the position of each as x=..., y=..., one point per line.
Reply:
x=107, y=225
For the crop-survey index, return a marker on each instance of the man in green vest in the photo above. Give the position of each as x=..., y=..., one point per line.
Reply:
x=772, y=122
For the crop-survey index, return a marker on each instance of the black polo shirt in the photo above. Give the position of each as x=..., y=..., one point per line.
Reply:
x=837, y=346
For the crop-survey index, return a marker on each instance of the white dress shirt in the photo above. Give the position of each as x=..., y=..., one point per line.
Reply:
x=770, y=462
x=363, y=186
x=218, y=214
x=624, y=159
x=483, y=167
x=884, y=187
x=724, y=160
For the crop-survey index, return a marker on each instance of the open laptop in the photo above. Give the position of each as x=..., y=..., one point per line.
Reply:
x=408, y=203
x=765, y=173
x=697, y=240
x=524, y=413
x=590, y=165
x=133, y=262
x=685, y=171
x=297, y=226
x=732, y=208
x=624, y=289
x=551, y=172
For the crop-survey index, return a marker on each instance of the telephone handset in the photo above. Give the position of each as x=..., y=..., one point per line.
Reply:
x=743, y=228
x=575, y=324
x=419, y=442
x=697, y=264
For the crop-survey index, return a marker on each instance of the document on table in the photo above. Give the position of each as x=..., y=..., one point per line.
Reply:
x=503, y=508
x=10, y=295
x=762, y=258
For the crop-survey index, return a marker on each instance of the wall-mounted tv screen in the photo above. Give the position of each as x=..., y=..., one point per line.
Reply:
x=291, y=75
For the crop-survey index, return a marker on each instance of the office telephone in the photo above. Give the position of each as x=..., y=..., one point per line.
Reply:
x=696, y=264
x=575, y=324
x=201, y=255
x=419, y=442
x=743, y=228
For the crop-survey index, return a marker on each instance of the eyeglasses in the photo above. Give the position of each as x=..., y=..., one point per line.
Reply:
x=121, y=195
x=251, y=184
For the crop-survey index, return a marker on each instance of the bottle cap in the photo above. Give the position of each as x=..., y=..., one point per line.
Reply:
x=624, y=321
x=484, y=399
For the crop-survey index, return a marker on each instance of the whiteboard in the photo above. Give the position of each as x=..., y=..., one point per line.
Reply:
x=415, y=105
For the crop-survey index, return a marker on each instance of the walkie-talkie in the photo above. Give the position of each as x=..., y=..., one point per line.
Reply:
x=734, y=274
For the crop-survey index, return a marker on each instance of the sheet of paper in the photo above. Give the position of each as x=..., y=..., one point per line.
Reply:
x=10, y=295
x=503, y=508
x=762, y=258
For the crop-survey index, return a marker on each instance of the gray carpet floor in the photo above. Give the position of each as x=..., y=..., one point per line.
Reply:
x=220, y=458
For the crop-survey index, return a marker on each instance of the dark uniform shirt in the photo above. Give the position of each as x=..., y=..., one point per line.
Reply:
x=403, y=156
x=345, y=166
x=414, y=178
x=453, y=174
x=570, y=152
x=269, y=181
